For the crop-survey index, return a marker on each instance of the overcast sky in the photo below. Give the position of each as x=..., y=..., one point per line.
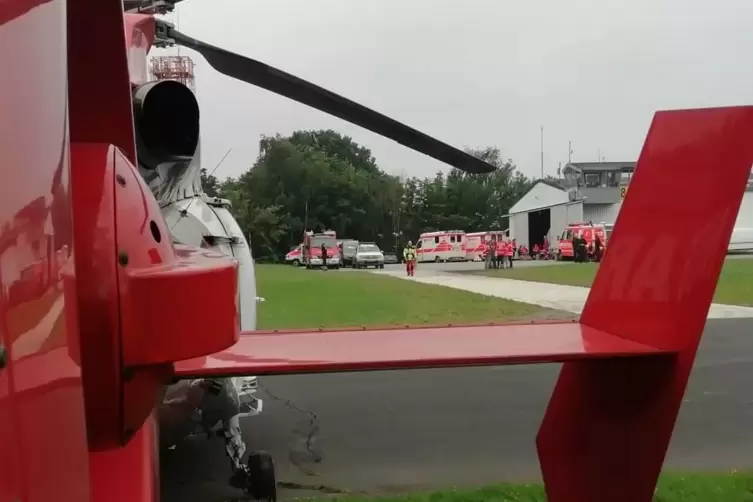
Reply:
x=473, y=72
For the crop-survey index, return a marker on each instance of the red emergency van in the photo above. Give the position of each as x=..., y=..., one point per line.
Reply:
x=587, y=231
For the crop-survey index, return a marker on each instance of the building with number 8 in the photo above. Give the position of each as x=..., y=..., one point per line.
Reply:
x=593, y=191
x=589, y=191
x=601, y=186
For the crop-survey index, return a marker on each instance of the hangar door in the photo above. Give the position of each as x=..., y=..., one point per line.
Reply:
x=539, y=224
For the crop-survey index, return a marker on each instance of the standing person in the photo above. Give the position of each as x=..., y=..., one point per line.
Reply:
x=324, y=255
x=580, y=249
x=489, y=254
x=499, y=251
x=509, y=252
x=597, y=249
x=409, y=257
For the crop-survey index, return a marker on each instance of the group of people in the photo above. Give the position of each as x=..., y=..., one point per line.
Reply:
x=538, y=251
x=583, y=251
x=500, y=253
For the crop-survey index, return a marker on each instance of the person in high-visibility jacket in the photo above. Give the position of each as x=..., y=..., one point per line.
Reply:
x=409, y=257
x=499, y=250
x=509, y=252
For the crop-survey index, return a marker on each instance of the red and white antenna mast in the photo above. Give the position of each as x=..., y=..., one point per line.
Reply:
x=167, y=67
x=178, y=68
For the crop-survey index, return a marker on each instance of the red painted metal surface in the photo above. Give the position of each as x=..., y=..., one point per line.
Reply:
x=160, y=283
x=99, y=96
x=129, y=275
x=97, y=284
x=129, y=473
x=359, y=350
x=608, y=425
x=141, y=296
x=99, y=88
x=139, y=32
x=41, y=386
x=137, y=314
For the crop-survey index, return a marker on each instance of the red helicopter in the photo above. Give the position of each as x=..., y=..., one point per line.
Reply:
x=101, y=311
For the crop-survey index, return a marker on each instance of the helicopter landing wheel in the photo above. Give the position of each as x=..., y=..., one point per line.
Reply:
x=262, y=484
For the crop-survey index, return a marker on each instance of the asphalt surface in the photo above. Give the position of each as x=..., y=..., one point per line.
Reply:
x=395, y=431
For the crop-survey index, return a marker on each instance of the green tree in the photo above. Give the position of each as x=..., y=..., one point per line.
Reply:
x=316, y=180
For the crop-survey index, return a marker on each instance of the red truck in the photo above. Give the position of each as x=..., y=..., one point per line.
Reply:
x=312, y=249
x=588, y=231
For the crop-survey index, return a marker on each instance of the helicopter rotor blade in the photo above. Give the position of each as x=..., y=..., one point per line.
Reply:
x=267, y=77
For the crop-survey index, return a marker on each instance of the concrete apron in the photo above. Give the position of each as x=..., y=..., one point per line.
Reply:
x=553, y=296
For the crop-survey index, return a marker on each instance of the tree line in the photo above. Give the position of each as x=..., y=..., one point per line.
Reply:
x=321, y=179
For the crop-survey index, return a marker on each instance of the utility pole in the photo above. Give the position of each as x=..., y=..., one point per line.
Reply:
x=569, y=150
x=598, y=155
x=306, y=216
x=542, y=152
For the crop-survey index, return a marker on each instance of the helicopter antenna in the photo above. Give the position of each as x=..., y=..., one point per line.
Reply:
x=221, y=161
x=184, y=212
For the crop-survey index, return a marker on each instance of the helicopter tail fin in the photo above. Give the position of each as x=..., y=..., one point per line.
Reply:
x=654, y=287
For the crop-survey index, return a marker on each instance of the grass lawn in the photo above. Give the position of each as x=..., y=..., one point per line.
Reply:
x=735, y=285
x=299, y=298
x=730, y=487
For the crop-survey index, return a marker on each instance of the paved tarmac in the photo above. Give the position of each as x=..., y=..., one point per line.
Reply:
x=394, y=431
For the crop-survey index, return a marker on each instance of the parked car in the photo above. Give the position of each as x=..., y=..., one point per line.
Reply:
x=348, y=251
x=390, y=258
x=369, y=255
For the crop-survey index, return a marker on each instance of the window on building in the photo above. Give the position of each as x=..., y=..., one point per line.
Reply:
x=593, y=180
x=613, y=178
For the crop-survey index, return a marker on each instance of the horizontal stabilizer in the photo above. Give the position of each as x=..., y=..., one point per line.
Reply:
x=290, y=352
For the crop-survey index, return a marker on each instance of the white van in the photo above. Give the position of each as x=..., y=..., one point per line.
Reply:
x=445, y=245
